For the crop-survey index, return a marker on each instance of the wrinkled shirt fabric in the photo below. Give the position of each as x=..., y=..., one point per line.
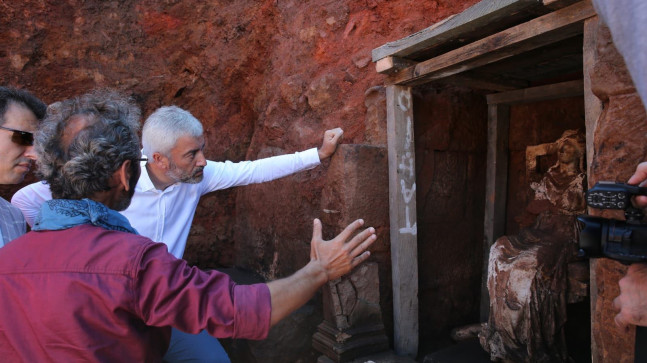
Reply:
x=88, y=294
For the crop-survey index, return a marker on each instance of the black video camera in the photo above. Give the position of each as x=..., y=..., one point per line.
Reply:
x=625, y=241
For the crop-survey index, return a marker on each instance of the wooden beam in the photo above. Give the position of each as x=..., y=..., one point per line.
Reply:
x=496, y=187
x=547, y=29
x=484, y=82
x=403, y=221
x=536, y=94
x=532, y=63
x=592, y=104
x=391, y=65
x=592, y=112
x=472, y=19
x=558, y=4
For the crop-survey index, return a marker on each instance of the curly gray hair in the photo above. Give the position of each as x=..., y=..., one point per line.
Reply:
x=77, y=166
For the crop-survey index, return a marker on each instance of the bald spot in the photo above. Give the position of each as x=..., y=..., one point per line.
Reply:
x=72, y=129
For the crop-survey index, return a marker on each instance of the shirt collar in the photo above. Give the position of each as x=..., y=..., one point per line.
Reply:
x=144, y=184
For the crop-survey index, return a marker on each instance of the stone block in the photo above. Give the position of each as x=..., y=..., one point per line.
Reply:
x=357, y=187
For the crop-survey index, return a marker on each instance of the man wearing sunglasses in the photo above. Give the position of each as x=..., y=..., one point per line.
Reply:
x=20, y=113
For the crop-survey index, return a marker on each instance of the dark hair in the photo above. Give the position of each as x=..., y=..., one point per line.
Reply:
x=78, y=166
x=22, y=97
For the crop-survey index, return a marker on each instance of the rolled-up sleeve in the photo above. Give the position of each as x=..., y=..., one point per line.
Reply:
x=168, y=292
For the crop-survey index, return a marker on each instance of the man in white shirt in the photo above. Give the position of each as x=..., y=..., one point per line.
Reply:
x=174, y=177
x=20, y=114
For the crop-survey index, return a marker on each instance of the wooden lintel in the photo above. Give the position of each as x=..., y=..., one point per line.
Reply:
x=541, y=31
x=485, y=82
x=558, y=4
x=390, y=65
x=536, y=94
x=456, y=26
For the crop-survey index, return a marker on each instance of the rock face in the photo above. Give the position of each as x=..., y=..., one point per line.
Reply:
x=265, y=78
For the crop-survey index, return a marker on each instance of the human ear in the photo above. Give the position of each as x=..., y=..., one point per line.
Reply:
x=124, y=172
x=160, y=160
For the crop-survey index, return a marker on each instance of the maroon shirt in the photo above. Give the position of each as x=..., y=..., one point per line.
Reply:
x=90, y=294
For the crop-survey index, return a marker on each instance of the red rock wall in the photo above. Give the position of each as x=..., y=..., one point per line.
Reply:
x=265, y=77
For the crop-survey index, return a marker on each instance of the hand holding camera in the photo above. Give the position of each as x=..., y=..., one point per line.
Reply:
x=625, y=241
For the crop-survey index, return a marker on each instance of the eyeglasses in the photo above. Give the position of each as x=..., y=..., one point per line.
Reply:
x=141, y=159
x=22, y=138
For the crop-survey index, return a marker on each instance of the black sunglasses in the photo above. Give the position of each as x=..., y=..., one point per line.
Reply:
x=22, y=138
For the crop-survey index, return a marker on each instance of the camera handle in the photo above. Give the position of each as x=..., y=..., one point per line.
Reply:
x=634, y=215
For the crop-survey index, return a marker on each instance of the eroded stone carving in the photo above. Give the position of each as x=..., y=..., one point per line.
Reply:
x=527, y=273
x=353, y=318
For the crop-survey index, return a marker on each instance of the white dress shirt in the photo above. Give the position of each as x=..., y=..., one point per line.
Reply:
x=166, y=215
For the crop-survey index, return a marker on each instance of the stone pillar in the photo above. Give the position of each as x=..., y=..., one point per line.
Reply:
x=356, y=187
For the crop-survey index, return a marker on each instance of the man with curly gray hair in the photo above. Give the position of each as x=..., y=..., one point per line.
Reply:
x=84, y=286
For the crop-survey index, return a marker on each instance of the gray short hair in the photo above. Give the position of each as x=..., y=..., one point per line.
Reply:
x=85, y=165
x=165, y=126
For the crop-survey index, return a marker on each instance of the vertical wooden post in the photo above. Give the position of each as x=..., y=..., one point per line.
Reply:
x=402, y=214
x=592, y=111
x=592, y=104
x=496, y=186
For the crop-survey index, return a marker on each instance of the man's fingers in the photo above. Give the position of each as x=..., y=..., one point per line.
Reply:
x=616, y=304
x=363, y=246
x=620, y=321
x=361, y=242
x=640, y=201
x=316, y=230
x=348, y=231
x=333, y=135
x=640, y=175
x=335, y=132
x=359, y=259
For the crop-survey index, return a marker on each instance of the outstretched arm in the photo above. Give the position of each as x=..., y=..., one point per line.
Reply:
x=328, y=260
x=222, y=175
x=330, y=141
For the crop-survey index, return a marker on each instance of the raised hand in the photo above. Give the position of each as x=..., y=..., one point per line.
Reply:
x=337, y=257
x=330, y=141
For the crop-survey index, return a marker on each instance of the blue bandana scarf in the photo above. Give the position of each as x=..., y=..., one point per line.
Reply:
x=57, y=214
